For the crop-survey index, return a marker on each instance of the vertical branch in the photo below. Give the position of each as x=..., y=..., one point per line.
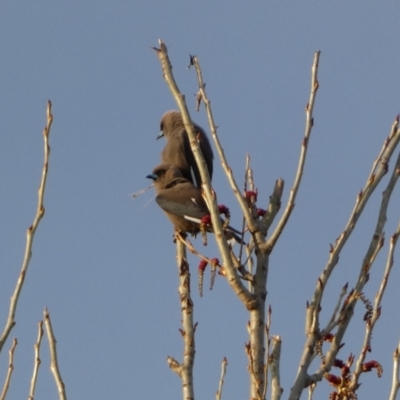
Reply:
x=376, y=312
x=395, y=377
x=231, y=273
x=312, y=318
x=274, y=360
x=311, y=389
x=257, y=329
x=188, y=328
x=30, y=233
x=309, y=124
x=185, y=369
x=247, y=181
x=37, y=362
x=53, y=357
x=218, y=396
x=267, y=350
x=256, y=346
x=10, y=369
x=224, y=162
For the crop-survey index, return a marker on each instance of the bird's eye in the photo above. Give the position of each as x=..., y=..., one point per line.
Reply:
x=162, y=127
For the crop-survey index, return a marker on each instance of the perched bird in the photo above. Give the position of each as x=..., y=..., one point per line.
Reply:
x=180, y=199
x=178, y=152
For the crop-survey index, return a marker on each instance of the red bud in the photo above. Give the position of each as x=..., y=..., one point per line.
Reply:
x=202, y=265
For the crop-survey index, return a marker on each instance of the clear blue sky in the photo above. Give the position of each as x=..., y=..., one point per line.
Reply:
x=104, y=264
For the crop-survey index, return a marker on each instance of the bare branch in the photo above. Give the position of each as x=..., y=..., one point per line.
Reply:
x=309, y=124
x=333, y=321
x=267, y=350
x=258, y=223
x=224, y=364
x=247, y=181
x=256, y=349
x=376, y=311
x=30, y=232
x=53, y=356
x=311, y=389
x=395, y=377
x=274, y=360
x=37, y=362
x=381, y=154
x=174, y=365
x=258, y=237
x=185, y=369
x=191, y=248
x=10, y=369
x=312, y=318
x=274, y=204
x=223, y=247
x=348, y=309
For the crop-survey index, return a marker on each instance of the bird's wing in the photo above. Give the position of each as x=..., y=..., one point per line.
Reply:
x=176, y=205
x=174, y=153
x=205, y=148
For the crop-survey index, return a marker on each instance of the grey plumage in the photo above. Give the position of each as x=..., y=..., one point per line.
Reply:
x=177, y=150
x=178, y=197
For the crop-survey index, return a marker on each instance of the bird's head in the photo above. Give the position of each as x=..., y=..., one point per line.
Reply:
x=163, y=174
x=169, y=122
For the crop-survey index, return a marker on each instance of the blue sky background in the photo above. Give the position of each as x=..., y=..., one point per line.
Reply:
x=103, y=263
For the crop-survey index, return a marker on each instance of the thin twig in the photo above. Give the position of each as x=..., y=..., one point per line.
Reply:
x=224, y=364
x=30, y=232
x=53, y=357
x=244, y=219
x=244, y=273
x=369, y=258
x=259, y=239
x=342, y=321
x=10, y=369
x=376, y=311
x=273, y=206
x=191, y=248
x=249, y=262
x=37, y=362
x=331, y=324
x=312, y=318
x=309, y=124
x=256, y=349
x=379, y=159
x=207, y=260
x=174, y=365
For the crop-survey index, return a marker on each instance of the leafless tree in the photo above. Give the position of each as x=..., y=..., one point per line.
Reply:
x=11, y=320
x=249, y=280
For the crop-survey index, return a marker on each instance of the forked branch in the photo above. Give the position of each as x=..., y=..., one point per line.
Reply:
x=30, y=232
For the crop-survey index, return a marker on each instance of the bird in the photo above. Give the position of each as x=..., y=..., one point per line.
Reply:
x=177, y=150
x=182, y=202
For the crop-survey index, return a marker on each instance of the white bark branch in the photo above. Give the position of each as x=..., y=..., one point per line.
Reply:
x=53, y=357
x=9, y=370
x=309, y=124
x=37, y=362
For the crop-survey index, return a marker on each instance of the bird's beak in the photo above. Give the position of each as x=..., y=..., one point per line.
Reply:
x=160, y=135
x=152, y=176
